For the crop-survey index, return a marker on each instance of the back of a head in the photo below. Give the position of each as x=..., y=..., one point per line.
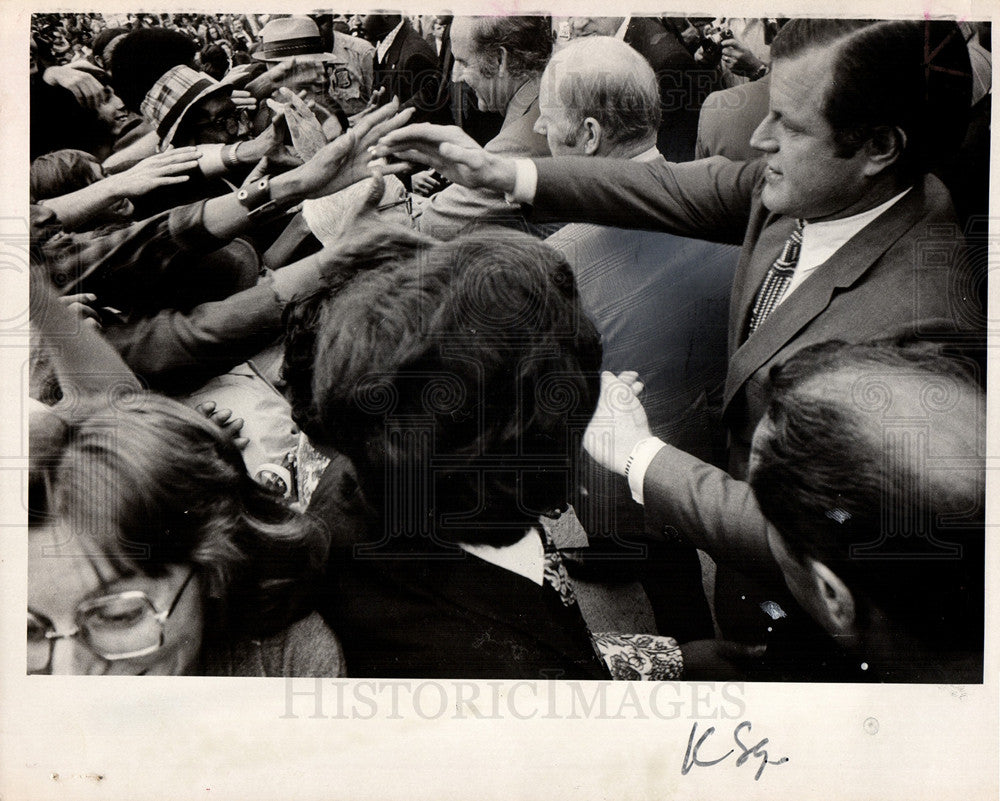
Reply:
x=142, y=57
x=470, y=369
x=604, y=78
x=61, y=172
x=526, y=40
x=910, y=74
x=873, y=465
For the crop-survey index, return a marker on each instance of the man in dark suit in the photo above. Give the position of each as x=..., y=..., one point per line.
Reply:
x=683, y=82
x=501, y=59
x=892, y=569
x=405, y=66
x=658, y=300
x=878, y=253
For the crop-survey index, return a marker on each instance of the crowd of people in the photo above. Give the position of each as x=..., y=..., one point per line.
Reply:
x=528, y=347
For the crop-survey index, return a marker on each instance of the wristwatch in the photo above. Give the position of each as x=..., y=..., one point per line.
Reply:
x=760, y=72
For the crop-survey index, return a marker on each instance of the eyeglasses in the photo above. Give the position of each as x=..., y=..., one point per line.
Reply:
x=229, y=121
x=125, y=625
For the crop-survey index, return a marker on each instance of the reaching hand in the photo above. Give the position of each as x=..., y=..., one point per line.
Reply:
x=739, y=58
x=163, y=169
x=426, y=183
x=223, y=419
x=619, y=422
x=452, y=152
x=345, y=160
x=88, y=91
x=80, y=306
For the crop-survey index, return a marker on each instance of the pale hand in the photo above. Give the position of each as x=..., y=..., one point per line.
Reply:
x=619, y=422
x=166, y=168
x=344, y=161
x=453, y=153
x=88, y=91
x=739, y=58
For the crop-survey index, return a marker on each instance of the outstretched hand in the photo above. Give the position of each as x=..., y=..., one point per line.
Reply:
x=452, y=152
x=170, y=167
x=345, y=160
x=619, y=422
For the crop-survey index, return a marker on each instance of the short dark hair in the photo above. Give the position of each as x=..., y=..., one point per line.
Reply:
x=907, y=73
x=527, y=41
x=141, y=58
x=470, y=365
x=833, y=486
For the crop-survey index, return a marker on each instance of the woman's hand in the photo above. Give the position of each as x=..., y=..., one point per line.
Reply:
x=223, y=419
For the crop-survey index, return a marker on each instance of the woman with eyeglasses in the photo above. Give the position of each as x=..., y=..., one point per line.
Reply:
x=150, y=548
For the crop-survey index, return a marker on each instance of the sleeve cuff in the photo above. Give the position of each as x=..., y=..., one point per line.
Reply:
x=639, y=459
x=525, y=182
x=211, y=163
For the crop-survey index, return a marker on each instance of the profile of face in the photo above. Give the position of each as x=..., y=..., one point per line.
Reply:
x=560, y=129
x=804, y=177
x=112, y=112
x=594, y=26
x=490, y=82
x=87, y=618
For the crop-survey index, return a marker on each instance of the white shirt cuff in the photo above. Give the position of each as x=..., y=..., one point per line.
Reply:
x=211, y=162
x=639, y=460
x=525, y=182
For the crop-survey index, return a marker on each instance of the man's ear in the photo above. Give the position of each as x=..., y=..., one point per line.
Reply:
x=502, y=65
x=593, y=136
x=835, y=601
x=884, y=148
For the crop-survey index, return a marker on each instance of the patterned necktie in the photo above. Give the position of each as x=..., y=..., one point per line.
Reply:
x=778, y=277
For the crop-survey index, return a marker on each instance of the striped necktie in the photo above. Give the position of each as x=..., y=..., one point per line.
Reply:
x=778, y=277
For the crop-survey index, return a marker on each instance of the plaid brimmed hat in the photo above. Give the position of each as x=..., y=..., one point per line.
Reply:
x=291, y=37
x=173, y=95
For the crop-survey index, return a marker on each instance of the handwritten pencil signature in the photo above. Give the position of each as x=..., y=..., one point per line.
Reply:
x=693, y=759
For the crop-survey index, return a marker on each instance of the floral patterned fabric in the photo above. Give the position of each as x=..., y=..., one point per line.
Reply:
x=639, y=657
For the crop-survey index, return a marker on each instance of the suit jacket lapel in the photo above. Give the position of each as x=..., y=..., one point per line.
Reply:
x=810, y=298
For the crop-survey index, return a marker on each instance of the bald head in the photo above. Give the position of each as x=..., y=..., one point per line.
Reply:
x=604, y=81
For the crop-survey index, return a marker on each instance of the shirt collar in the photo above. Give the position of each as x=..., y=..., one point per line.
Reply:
x=846, y=227
x=526, y=557
x=647, y=155
x=385, y=44
x=620, y=33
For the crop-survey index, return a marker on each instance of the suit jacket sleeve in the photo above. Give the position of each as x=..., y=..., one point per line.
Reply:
x=708, y=199
x=175, y=352
x=715, y=512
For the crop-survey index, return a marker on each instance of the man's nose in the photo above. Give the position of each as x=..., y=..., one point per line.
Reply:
x=763, y=137
x=456, y=73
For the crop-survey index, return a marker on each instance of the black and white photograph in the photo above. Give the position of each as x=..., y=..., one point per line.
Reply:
x=497, y=404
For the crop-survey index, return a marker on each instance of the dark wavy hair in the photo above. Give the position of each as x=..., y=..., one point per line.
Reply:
x=151, y=483
x=527, y=41
x=459, y=381
x=835, y=487
x=915, y=75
